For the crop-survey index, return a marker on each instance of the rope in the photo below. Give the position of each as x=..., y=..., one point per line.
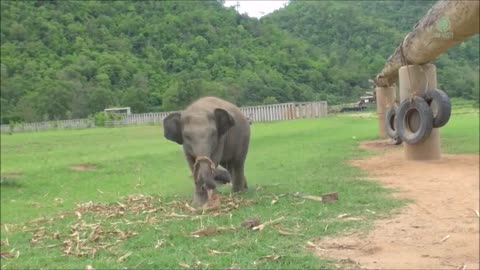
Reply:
x=197, y=163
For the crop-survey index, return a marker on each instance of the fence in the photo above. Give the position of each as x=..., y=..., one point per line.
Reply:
x=61, y=124
x=264, y=113
x=139, y=119
x=286, y=111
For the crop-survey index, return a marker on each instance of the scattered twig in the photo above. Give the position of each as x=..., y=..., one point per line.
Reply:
x=443, y=239
x=268, y=257
x=216, y=252
x=327, y=197
x=159, y=243
x=312, y=245
x=4, y=243
x=184, y=265
x=121, y=259
x=262, y=226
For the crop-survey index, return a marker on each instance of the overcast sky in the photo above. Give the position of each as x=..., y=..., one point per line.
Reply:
x=257, y=8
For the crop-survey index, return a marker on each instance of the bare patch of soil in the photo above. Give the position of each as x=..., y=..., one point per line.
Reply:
x=13, y=175
x=84, y=167
x=10, y=179
x=440, y=230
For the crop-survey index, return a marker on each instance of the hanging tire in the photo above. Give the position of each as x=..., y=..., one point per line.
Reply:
x=414, y=120
x=390, y=124
x=440, y=105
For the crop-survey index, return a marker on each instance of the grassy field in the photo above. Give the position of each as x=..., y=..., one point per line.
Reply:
x=309, y=156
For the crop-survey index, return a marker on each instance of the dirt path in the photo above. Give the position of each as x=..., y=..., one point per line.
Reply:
x=440, y=230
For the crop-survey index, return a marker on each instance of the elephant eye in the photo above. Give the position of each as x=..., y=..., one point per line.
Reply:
x=187, y=137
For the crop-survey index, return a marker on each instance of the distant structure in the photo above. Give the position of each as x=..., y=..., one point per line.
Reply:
x=125, y=110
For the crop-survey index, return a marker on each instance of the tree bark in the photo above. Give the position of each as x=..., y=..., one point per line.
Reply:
x=446, y=24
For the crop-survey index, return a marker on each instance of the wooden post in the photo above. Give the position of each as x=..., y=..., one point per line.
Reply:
x=414, y=80
x=385, y=98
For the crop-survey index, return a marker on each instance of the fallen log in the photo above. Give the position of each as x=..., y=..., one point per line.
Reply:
x=446, y=24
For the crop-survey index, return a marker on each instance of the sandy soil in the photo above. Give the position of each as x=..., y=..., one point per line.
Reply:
x=440, y=230
x=84, y=167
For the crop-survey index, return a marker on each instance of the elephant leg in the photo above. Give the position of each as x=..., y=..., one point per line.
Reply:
x=239, y=181
x=190, y=162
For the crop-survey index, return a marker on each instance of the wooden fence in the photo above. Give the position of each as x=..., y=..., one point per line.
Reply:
x=264, y=113
x=286, y=111
x=61, y=124
x=139, y=119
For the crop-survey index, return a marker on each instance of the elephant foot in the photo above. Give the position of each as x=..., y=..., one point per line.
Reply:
x=240, y=189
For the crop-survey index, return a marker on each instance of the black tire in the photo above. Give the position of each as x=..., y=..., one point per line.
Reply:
x=408, y=108
x=440, y=105
x=390, y=123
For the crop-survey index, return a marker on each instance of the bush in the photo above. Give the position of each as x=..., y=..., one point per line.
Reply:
x=101, y=117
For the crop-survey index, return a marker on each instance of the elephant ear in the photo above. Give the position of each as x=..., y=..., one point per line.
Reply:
x=224, y=121
x=172, y=129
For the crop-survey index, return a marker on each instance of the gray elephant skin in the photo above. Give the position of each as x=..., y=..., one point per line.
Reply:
x=214, y=133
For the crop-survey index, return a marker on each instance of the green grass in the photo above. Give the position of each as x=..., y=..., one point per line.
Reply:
x=309, y=156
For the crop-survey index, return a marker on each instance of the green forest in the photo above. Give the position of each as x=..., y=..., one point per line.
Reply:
x=71, y=59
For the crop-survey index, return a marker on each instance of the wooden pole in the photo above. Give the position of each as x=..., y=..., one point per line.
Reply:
x=414, y=80
x=385, y=99
x=446, y=24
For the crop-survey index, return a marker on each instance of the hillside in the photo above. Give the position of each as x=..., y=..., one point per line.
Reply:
x=358, y=37
x=71, y=59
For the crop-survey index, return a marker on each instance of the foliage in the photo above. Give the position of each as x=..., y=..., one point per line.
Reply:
x=101, y=117
x=70, y=59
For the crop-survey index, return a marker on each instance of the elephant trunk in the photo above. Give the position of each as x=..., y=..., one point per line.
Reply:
x=204, y=177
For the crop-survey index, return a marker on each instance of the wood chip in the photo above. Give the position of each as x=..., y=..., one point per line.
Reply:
x=250, y=223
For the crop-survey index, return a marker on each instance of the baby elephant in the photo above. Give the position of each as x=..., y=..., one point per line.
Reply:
x=213, y=132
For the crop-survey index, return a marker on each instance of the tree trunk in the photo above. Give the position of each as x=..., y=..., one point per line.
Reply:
x=446, y=24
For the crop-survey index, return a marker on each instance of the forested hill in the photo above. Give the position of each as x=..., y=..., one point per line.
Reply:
x=73, y=58
x=357, y=36
x=70, y=59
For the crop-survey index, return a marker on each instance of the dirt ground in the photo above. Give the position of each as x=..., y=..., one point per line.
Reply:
x=440, y=230
x=84, y=167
